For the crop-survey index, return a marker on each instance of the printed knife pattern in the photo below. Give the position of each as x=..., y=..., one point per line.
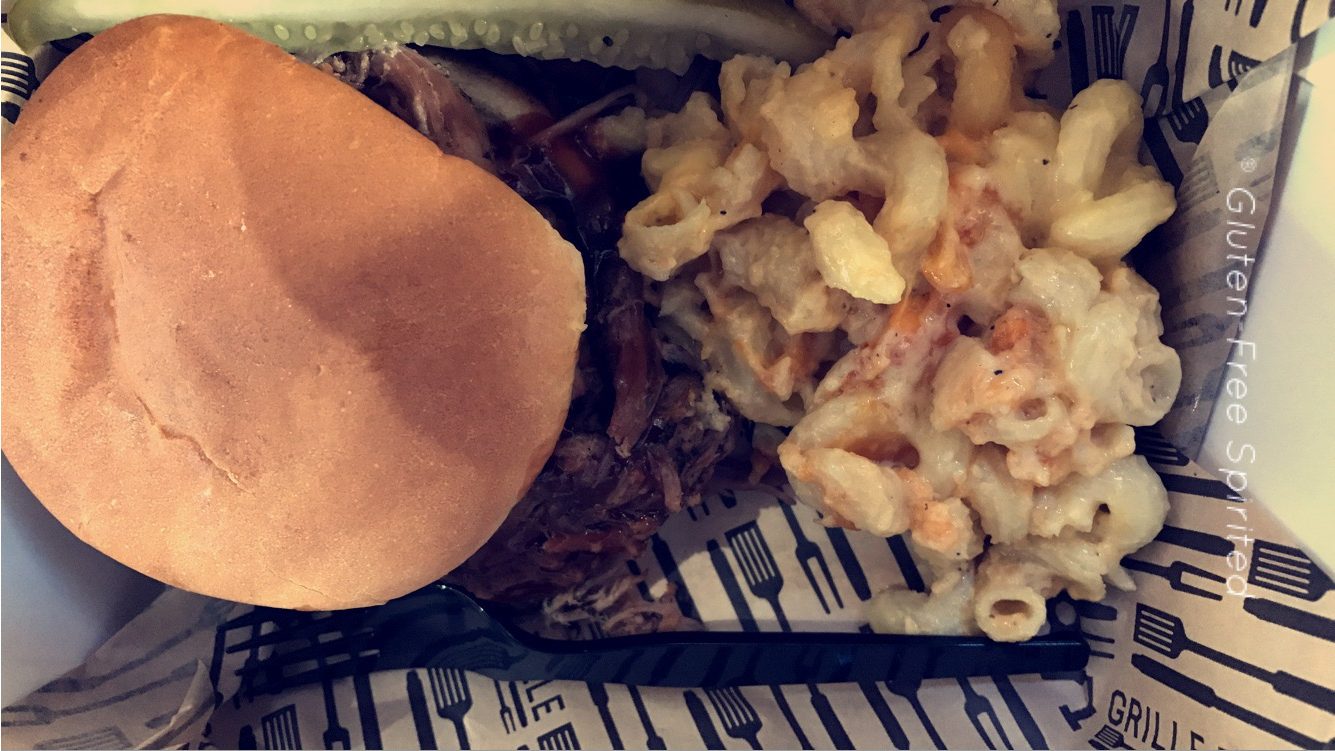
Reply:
x=335, y=735
x=704, y=724
x=426, y=734
x=1210, y=698
x=598, y=692
x=886, y=716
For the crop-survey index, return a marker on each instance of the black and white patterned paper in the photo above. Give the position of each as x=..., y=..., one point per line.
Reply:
x=1229, y=640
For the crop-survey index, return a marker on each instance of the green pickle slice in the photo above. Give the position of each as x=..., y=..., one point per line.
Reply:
x=621, y=33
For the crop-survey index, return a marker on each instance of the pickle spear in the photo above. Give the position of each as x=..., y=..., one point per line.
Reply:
x=621, y=33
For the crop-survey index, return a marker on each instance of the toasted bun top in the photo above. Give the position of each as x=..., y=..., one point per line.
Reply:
x=261, y=339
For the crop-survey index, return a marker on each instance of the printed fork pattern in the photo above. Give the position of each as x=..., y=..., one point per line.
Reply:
x=740, y=719
x=452, y=697
x=1111, y=38
x=758, y=567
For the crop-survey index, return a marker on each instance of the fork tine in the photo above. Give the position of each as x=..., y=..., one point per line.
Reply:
x=1180, y=569
x=735, y=703
x=744, y=557
x=447, y=682
x=461, y=679
x=763, y=551
x=720, y=706
x=763, y=561
x=730, y=700
x=758, y=561
x=437, y=690
x=746, y=714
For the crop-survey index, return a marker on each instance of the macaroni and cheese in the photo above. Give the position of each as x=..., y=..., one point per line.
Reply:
x=917, y=269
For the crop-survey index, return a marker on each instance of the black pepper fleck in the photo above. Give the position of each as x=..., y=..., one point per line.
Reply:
x=1045, y=162
x=998, y=372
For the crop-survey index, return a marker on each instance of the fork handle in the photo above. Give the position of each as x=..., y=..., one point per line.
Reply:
x=461, y=732
x=759, y=659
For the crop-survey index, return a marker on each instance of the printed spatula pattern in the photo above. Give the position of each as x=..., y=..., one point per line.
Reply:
x=451, y=695
x=1165, y=633
x=1289, y=571
x=1108, y=738
x=740, y=719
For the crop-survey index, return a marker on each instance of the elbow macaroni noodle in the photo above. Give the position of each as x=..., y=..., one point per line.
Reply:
x=934, y=301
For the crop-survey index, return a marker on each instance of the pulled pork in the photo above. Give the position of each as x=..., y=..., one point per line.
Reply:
x=420, y=94
x=640, y=441
x=636, y=448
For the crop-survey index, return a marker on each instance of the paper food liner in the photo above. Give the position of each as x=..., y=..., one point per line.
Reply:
x=1257, y=657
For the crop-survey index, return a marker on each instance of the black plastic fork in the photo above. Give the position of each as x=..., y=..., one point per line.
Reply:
x=444, y=627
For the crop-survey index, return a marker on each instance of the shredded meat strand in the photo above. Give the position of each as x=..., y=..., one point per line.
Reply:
x=419, y=93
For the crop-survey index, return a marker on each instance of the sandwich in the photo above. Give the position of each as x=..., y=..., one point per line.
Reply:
x=315, y=332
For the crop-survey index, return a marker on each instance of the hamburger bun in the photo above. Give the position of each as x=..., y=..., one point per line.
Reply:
x=261, y=339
